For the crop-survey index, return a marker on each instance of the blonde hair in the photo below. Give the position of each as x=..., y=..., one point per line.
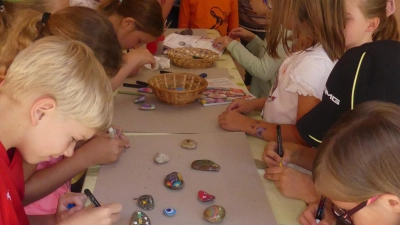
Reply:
x=147, y=14
x=359, y=158
x=66, y=71
x=320, y=21
x=77, y=23
x=387, y=29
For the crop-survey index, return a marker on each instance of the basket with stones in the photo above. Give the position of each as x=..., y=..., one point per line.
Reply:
x=177, y=88
x=192, y=58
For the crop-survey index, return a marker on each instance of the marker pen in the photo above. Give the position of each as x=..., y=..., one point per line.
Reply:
x=320, y=210
x=91, y=197
x=279, y=140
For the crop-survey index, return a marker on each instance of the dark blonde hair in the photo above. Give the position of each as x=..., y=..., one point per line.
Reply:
x=387, y=29
x=77, y=23
x=147, y=14
x=359, y=158
x=320, y=21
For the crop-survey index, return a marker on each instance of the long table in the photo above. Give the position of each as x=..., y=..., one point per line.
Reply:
x=286, y=211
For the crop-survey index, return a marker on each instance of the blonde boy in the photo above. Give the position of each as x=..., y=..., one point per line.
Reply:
x=55, y=93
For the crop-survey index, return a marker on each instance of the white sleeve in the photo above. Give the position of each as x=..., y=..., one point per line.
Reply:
x=309, y=76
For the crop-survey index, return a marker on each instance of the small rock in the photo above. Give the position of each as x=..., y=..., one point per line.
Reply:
x=161, y=158
x=169, y=212
x=140, y=218
x=174, y=181
x=204, y=196
x=189, y=144
x=205, y=165
x=214, y=214
x=146, y=202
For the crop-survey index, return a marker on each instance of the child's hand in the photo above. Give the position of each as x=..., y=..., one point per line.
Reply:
x=242, y=34
x=292, y=183
x=270, y=155
x=106, y=214
x=137, y=58
x=104, y=150
x=78, y=199
x=308, y=216
x=233, y=121
x=221, y=43
x=240, y=106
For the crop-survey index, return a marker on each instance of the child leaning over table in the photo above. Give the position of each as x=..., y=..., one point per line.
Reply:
x=50, y=107
x=254, y=58
x=221, y=15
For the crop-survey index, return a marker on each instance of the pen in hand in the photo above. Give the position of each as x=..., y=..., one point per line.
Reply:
x=279, y=140
x=320, y=210
x=91, y=197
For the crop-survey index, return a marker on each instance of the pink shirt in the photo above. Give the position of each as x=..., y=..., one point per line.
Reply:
x=48, y=204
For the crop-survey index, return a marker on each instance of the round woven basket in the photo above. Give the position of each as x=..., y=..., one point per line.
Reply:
x=192, y=58
x=177, y=88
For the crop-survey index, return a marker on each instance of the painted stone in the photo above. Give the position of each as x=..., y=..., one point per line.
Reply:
x=214, y=214
x=204, y=196
x=174, y=181
x=139, y=218
x=189, y=144
x=145, y=90
x=161, y=158
x=205, y=165
x=146, y=202
x=147, y=107
x=169, y=212
x=140, y=99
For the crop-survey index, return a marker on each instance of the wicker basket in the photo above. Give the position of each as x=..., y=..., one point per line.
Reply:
x=192, y=58
x=177, y=88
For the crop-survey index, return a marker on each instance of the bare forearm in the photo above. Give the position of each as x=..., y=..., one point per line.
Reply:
x=258, y=103
x=47, y=180
x=305, y=157
x=42, y=220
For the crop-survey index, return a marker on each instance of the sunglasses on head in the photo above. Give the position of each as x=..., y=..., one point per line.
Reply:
x=343, y=217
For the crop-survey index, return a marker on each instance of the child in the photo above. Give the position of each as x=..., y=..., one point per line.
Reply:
x=50, y=106
x=366, y=73
x=254, y=58
x=221, y=15
x=136, y=22
x=357, y=168
x=302, y=76
x=82, y=24
x=77, y=23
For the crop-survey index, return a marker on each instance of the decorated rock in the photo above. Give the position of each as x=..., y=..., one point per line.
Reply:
x=214, y=214
x=140, y=99
x=189, y=144
x=140, y=218
x=145, y=90
x=147, y=107
x=169, y=212
x=205, y=165
x=146, y=202
x=174, y=181
x=204, y=196
x=161, y=158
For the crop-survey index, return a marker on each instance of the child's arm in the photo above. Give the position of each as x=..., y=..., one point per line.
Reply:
x=184, y=14
x=233, y=19
x=166, y=6
x=100, y=150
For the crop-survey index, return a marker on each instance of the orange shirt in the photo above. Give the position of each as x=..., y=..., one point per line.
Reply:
x=221, y=15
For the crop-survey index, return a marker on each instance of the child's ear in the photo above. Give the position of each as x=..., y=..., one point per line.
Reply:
x=42, y=109
x=391, y=202
x=128, y=23
x=373, y=23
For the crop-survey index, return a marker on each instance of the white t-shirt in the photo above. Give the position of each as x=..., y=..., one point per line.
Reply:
x=302, y=73
x=86, y=3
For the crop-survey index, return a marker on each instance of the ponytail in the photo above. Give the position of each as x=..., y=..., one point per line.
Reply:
x=387, y=30
x=146, y=13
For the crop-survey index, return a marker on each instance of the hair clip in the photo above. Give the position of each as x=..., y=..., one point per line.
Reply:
x=2, y=8
x=45, y=18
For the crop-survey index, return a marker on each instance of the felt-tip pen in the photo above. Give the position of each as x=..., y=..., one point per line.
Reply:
x=91, y=197
x=320, y=210
x=279, y=140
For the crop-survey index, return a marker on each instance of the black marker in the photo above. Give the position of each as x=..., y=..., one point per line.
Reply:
x=279, y=140
x=91, y=197
x=320, y=211
x=132, y=85
x=144, y=84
